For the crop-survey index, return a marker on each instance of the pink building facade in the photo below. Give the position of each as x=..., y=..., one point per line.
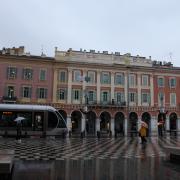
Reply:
x=26, y=79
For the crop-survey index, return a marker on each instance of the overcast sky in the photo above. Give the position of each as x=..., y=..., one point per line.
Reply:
x=143, y=27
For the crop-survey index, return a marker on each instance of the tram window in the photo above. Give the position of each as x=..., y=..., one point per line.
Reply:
x=39, y=116
x=7, y=119
x=62, y=123
x=52, y=120
x=27, y=122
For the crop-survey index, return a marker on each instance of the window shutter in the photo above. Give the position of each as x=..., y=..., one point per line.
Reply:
x=45, y=95
x=72, y=94
x=122, y=97
x=65, y=94
x=115, y=97
x=80, y=95
x=58, y=94
x=122, y=79
x=94, y=96
x=108, y=97
x=149, y=98
x=30, y=92
x=135, y=98
x=8, y=72
x=37, y=93
x=21, y=92
x=101, y=97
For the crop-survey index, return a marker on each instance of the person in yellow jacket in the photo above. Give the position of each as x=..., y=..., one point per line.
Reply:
x=143, y=133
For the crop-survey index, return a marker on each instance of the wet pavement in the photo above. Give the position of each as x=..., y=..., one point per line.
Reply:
x=92, y=159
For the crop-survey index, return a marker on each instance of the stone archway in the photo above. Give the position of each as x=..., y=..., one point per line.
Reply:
x=133, y=119
x=63, y=114
x=119, y=123
x=105, y=122
x=91, y=122
x=146, y=117
x=173, y=121
x=76, y=118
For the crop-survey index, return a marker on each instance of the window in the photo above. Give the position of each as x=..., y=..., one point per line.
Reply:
x=26, y=92
x=61, y=94
x=132, y=81
x=91, y=75
x=77, y=76
x=27, y=74
x=145, y=80
x=119, y=97
x=11, y=72
x=145, y=98
x=172, y=82
x=160, y=82
x=91, y=96
x=105, y=97
x=62, y=76
x=76, y=94
x=132, y=97
x=173, y=99
x=42, y=75
x=10, y=91
x=161, y=98
x=105, y=78
x=42, y=93
x=119, y=79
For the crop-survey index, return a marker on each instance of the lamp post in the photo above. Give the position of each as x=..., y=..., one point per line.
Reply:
x=162, y=117
x=85, y=110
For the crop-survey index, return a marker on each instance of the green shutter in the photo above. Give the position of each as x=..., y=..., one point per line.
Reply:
x=80, y=95
x=21, y=92
x=101, y=96
x=30, y=92
x=94, y=96
x=58, y=94
x=37, y=93
x=122, y=79
x=149, y=98
x=46, y=91
x=115, y=97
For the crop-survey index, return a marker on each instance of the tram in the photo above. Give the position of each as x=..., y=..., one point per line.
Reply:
x=38, y=120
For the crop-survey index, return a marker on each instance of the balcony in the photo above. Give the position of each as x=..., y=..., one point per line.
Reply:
x=107, y=105
x=9, y=99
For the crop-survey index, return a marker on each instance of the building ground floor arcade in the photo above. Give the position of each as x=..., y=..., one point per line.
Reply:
x=115, y=122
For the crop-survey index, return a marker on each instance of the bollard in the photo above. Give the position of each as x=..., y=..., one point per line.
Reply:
x=82, y=134
x=110, y=133
x=70, y=133
x=115, y=134
x=98, y=134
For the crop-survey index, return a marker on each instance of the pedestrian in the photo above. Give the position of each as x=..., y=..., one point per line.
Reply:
x=19, y=131
x=160, y=127
x=143, y=133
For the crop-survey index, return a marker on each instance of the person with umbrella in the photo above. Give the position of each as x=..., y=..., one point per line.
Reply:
x=19, y=127
x=143, y=132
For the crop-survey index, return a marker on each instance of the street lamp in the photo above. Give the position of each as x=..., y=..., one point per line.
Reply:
x=85, y=109
x=162, y=117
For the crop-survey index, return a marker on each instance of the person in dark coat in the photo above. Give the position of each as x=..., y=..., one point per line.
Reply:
x=19, y=130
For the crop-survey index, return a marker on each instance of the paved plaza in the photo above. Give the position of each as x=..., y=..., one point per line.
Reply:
x=92, y=158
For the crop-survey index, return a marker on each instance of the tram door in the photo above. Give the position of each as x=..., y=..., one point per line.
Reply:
x=38, y=121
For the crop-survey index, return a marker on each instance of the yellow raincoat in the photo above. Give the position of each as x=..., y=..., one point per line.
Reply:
x=142, y=131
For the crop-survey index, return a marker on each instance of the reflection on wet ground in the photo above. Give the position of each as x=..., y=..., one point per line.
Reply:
x=93, y=159
x=103, y=169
